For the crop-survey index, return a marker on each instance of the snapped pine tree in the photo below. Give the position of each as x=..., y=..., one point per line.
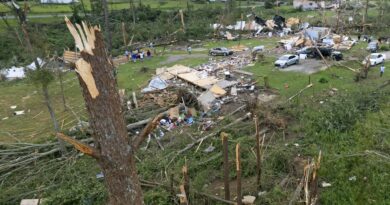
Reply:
x=113, y=149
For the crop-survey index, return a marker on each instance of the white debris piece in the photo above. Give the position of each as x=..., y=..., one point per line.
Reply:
x=325, y=184
x=13, y=107
x=353, y=178
x=21, y=112
x=30, y=202
x=248, y=199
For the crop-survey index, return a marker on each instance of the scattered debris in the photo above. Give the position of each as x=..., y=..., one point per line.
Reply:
x=248, y=199
x=21, y=112
x=262, y=193
x=325, y=184
x=352, y=178
x=31, y=201
x=100, y=175
x=209, y=149
x=13, y=107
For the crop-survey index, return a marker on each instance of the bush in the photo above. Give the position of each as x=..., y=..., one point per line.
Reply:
x=384, y=48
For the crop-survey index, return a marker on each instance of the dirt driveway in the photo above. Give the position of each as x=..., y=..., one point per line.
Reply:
x=308, y=66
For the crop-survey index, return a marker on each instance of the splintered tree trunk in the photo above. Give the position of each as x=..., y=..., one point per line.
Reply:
x=114, y=153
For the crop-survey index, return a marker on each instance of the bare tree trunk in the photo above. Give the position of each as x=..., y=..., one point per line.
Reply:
x=62, y=89
x=132, y=8
x=365, y=17
x=107, y=25
x=45, y=92
x=115, y=154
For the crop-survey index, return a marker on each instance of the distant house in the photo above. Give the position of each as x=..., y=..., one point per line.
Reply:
x=307, y=4
x=312, y=5
x=57, y=1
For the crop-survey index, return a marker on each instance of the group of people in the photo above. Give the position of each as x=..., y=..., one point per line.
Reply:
x=138, y=54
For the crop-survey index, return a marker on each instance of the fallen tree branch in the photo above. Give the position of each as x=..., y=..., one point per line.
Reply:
x=189, y=146
x=86, y=149
x=299, y=92
x=142, y=122
x=147, y=130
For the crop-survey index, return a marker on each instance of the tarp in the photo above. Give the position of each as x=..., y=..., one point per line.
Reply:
x=155, y=84
x=19, y=72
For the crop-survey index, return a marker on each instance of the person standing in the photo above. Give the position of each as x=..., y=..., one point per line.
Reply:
x=127, y=54
x=189, y=49
x=148, y=54
x=134, y=57
x=382, y=70
x=141, y=56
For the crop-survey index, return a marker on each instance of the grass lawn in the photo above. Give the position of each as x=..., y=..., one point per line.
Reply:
x=35, y=126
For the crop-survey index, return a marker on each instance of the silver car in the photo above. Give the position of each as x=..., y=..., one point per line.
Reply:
x=287, y=60
x=220, y=51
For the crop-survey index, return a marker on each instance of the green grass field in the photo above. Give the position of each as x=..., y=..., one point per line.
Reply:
x=36, y=125
x=75, y=180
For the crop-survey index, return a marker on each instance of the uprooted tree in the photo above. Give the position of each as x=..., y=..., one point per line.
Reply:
x=113, y=150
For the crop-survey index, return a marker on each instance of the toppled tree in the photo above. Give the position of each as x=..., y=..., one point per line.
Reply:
x=113, y=151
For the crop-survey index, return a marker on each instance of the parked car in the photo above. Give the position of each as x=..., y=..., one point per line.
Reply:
x=312, y=52
x=287, y=60
x=337, y=56
x=372, y=46
x=220, y=51
x=375, y=59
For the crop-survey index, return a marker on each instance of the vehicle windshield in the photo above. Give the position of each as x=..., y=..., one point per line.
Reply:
x=284, y=58
x=373, y=56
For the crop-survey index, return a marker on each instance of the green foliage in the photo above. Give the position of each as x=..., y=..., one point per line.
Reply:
x=269, y=4
x=157, y=196
x=384, y=48
x=76, y=8
x=342, y=113
x=40, y=77
x=322, y=80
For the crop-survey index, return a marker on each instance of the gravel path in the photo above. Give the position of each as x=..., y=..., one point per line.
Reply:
x=175, y=58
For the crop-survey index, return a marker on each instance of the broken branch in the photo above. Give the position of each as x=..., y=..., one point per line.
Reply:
x=88, y=150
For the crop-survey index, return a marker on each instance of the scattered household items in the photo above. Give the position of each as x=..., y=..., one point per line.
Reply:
x=287, y=60
x=375, y=59
x=222, y=51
